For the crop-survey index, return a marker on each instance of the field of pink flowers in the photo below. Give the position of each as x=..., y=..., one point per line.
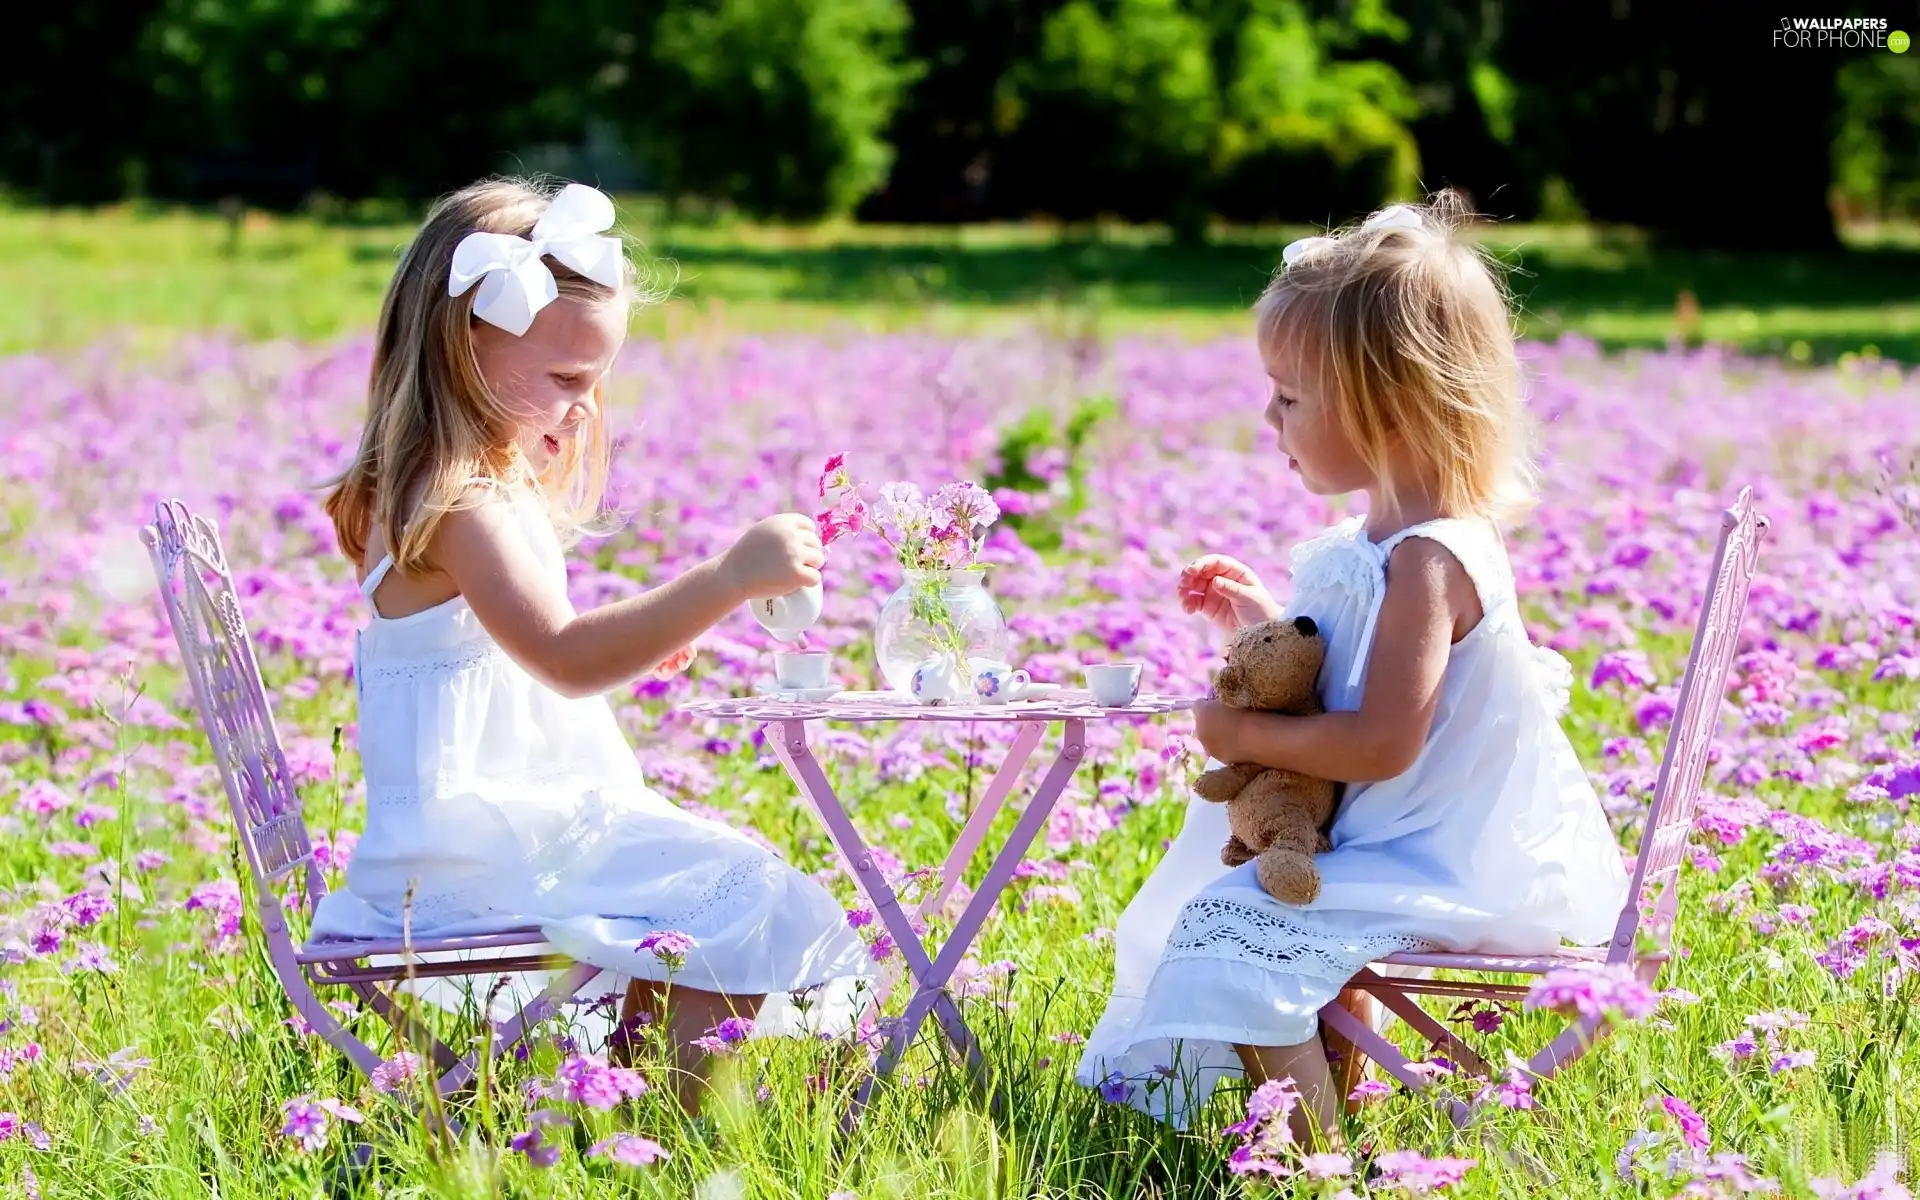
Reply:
x=145, y=1049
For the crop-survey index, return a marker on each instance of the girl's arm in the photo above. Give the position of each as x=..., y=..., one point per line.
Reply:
x=484, y=552
x=1429, y=602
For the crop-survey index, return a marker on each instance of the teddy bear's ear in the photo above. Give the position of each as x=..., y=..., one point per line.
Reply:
x=1305, y=627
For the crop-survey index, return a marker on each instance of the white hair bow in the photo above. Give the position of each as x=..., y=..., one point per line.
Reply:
x=1394, y=216
x=514, y=284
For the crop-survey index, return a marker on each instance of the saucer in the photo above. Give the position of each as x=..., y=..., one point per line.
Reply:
x=1032, y=691
x=772, y=690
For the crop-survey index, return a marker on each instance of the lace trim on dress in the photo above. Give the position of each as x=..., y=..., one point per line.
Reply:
x=1336, y=557
x=430, y=910
x=1213, y=927
x=451, y=661
x=752, y=875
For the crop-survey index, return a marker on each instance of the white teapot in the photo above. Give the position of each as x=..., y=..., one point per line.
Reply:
x=789, y=616
x=940, y=680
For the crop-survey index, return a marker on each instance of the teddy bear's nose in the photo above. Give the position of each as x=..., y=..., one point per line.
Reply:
x=1305, y=627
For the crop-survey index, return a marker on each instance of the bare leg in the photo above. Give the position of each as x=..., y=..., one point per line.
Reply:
x=1352, y=1065
x=1315, y=1121
x=689, y=1014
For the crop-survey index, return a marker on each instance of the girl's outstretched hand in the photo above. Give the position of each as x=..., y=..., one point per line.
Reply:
x=779, y=555
x=676, y=662
x=1225, y=591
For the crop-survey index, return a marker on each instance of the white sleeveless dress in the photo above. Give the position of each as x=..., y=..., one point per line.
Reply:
x=1493, y=841
x=501, y=803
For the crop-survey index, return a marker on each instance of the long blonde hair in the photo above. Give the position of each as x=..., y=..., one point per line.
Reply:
x=1408, y=333
x=429, y=410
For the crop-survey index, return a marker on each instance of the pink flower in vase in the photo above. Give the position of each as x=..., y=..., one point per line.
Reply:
x=846, y=512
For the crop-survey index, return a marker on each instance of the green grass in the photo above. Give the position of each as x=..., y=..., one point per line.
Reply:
x=68, y=278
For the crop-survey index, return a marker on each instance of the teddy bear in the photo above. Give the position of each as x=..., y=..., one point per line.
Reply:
x=1276, y=817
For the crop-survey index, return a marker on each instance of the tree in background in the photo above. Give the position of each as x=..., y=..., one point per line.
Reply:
x=1681, y=120
x=1179, y=109
x=1678, y=118
x=1878, y=149
x=1116, y=112
x=1311, y=136
x=75, y=101
x=1463, y=123
x=946, y=135
x=395, y=98
x=779, y=106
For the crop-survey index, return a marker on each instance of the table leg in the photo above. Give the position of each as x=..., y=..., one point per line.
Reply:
x=1073, y=744
x=790, y=747
x=982, y=818
x=930, y=975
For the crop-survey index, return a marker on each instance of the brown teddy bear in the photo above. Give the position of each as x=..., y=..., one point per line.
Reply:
x=1276, y=816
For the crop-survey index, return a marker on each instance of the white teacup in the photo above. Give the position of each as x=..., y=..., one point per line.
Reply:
x=800, y=668
x=1114, y=685
x=938, y=680
x=998, y=682
x=787, y=617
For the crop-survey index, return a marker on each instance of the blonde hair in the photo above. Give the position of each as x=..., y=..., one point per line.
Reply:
x=1407, y=333
x=429, y=410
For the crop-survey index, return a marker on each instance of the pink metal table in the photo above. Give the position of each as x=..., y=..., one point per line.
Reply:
x=785, y=723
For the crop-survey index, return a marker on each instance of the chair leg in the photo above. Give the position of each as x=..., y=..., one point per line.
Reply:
x=506, y=1034
x=1574, y=1041
x=1380, y=1050
x=1408, y=1009
x=409, y=1026
x=1352, y=1064
x=320, y=1017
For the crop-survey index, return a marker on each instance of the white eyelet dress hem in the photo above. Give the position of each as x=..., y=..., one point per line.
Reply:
x=1493, y=841
x=493, y=802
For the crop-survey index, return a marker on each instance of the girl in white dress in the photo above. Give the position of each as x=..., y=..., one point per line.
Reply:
x=500, y=790
x=1466, y=822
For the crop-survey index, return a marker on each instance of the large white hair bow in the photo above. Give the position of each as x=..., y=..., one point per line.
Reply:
x=514, y=284
x=1394, y=216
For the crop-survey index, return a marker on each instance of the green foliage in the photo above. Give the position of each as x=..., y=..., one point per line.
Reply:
x=1182, y=108
x=776, y=105
x=1496, y=95
x=1134, y=87
x=1171, y=111
x=1304, y=123
x=1020, y=457
x=1611, y=97
x=276, y=98
x=1877, y=152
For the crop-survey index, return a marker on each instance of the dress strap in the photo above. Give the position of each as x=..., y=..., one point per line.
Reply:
x=1467, y=543
x=371, y=583
x=1477, y=546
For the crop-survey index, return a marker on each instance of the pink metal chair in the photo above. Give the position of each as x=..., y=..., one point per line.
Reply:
x=1643, y=938
x=197, y=588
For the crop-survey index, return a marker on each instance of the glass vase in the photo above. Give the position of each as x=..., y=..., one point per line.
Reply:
x=938, y=612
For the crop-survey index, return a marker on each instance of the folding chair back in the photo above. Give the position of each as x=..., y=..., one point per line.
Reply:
x=196, y=587
x=1653, y=902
